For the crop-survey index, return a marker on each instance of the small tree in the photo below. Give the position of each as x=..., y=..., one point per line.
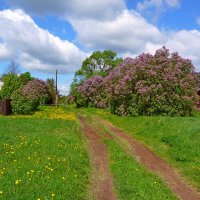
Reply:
x=51, y=90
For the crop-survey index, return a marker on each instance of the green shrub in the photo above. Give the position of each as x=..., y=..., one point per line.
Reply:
x=22, y=104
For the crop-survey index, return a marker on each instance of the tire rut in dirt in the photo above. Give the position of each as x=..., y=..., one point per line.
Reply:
x=103, y=186
x=154, y=163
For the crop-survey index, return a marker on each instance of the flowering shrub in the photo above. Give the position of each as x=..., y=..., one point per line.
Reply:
x=91, y=93
x=160, y=84
x=27, y=99
x=36, y=89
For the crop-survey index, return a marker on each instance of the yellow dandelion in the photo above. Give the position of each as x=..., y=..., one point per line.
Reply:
x=1, y=192
x=52, y=194
x=18, y=181
x=63, y=178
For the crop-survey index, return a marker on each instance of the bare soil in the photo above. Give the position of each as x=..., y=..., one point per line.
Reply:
x=154, y=163
x=103, y=186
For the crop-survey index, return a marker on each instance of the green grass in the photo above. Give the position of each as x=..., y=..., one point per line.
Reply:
x=132, y=180
x=176, y=139
x=43, y=158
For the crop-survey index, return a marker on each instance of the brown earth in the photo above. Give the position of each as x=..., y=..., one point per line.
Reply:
x=154, y=163
x=103, y=187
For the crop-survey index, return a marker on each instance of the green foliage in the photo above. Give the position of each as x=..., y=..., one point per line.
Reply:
x=22, y=104
x=51, y=90
x=25, y=78
x=62, y=99
x=98, y=64
x=11, y=82
x=27, y=99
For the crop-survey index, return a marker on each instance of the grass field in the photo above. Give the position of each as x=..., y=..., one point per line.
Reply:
x=43, y=157
x=176, y=139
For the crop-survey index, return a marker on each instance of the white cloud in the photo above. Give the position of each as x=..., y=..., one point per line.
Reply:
x=154, y=8
x=4, y=52
x=187, y=44
x=71, y=8
x=173, y=3
x=34, y=47
x=130, y=34
x=158, y=4
x=129, y=31
x=64, y=89
x=198, y=21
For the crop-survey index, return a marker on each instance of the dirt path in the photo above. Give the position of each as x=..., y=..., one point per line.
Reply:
x=103, y=187
x=156, y=164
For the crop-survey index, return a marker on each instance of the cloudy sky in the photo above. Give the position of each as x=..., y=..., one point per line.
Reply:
x=42, y=36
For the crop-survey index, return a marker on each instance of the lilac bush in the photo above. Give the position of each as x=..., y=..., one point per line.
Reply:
x=91, y=93
x=26, y=100
x=160, y=84
x=37, y=89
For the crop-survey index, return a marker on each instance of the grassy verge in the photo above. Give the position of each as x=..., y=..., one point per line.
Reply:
x=132, y=181
x=43, y=157
x=176, y=139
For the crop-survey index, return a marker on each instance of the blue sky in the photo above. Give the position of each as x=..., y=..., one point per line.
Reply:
x=43, y=36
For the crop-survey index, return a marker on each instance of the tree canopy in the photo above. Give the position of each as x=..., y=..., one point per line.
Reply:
x=99, y=63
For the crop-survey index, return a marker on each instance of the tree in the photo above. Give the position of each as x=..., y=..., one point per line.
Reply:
x=99, y=63
x=13, y=67
x=12, y=82
x=51, y=90
x=25, y=78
